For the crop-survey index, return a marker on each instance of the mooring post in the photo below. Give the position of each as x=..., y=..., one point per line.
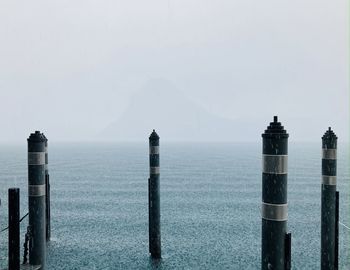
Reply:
x=149, y=215
x=288, y=252
x=328, y=199
x=0, y=207
x=47, y=194
x=274, y=209
x=336, y=252
x=36, y=195
x=14, y=230
x=154, y=197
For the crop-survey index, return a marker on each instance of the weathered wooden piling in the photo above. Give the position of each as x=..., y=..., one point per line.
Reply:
x=36, y=195
x=14, y=229
x=154, y=197
x=47, y=194
x=328, y=199
x=274, y=208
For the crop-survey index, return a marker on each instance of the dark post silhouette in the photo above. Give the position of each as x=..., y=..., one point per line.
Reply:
x=0, y=208
x=336, y=252
x=47, y=195
x=328, y=199
x=288, y=252
x=274, y=208
x=154, y=197
x=14, y=230
x=36, y=195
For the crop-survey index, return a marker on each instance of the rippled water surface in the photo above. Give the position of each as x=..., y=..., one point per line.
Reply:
x=210, y=205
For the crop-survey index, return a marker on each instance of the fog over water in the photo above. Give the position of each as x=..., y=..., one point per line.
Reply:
x=210, y=205
x=193, y=70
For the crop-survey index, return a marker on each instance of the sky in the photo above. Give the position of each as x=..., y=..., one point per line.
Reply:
x=74, y=68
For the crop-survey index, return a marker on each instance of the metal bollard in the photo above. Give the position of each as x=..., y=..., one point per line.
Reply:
x=154, y=197
x=47, y=195
x=274, y=208
x=328, y=199
x=36, y=195
x=14, y=230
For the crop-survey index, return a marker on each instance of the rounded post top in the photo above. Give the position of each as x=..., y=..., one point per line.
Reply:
x=275, y=129
x=37, y=136
x=154, y=136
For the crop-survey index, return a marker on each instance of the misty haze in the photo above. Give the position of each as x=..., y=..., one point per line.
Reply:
x=174, y=134
x=77, y=70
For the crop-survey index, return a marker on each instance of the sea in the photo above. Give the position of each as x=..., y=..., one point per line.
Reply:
x=210, y=204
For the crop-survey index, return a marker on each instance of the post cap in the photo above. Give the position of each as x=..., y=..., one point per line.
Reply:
x=329, y=139
x=275, y=129
x=329, y=135
x=154, y=136
x=36, y=137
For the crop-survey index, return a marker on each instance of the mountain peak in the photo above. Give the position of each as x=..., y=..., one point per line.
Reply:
x=161, y=105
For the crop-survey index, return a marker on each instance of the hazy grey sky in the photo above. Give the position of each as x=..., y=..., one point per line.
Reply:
x=72, y=68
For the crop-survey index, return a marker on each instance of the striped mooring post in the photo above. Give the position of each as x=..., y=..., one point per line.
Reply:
x=328, y=201
x=154, y=197
x=47, y=194
x=14, y=229
x=276, y=242
x=36, y=196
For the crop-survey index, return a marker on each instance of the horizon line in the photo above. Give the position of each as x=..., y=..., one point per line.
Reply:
x=16, y=142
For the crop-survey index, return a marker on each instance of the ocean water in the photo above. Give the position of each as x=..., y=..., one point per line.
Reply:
x=210, y=205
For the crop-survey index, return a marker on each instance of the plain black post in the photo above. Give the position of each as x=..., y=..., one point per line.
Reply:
x=149, y=215
x=14, y=245
x=36, y=195
x=288, y=252
x=154, y=197
x=274, y=208
x=47, y=196
x=0, y=207
x=336, y=251
x=328, y=199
